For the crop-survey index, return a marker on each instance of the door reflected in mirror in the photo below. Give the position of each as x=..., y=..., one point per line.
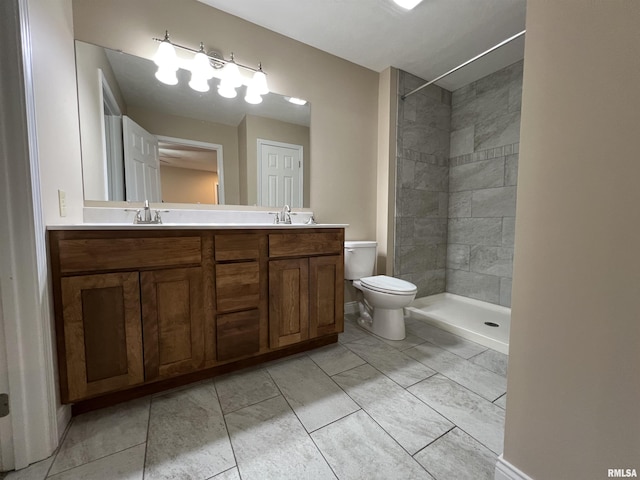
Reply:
x=142, y=139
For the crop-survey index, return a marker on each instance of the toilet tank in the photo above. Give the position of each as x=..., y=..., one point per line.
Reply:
x=359, y=259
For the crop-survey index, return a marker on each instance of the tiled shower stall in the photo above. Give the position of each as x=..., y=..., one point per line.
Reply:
x=456, y=185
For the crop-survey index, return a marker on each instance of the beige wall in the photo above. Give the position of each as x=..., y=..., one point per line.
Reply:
x=90, y=60
x=56, y=104
x=184, y=185
x=201, y=131
x=271, y=129
x=343, y=118
x=242, y=160
x=573, y=387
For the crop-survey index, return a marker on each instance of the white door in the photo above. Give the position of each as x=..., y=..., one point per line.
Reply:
x=279, y=174
x=141, y=164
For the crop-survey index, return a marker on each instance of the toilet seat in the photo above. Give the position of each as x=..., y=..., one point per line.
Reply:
x=388, y=285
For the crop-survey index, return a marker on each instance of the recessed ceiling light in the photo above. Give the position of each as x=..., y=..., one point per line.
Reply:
x=297, y=101
x=408, y=4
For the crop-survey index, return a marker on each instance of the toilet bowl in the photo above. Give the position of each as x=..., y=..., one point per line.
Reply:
x=384, y=297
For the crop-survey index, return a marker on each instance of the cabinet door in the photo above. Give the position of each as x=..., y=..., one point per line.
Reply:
x=238, y=335
x=102, y=334
x=326, y=295
x=288, y=301
x=173, y=321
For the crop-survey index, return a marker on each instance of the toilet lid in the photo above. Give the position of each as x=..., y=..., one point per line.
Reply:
x=385, y=284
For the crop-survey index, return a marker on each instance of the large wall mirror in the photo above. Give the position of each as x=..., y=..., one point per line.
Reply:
x=142, y=139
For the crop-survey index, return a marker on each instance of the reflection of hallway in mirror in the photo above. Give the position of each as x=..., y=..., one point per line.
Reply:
x=280, y=174
x=190, y=171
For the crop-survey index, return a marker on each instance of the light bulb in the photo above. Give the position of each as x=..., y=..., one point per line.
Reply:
x=167, y=75
x=166, y=57
x=259, y=82
x=201, y=67
x=199, y=84
x=226, y=91
x=231, y=74
x=252, y=96
x=408, y=4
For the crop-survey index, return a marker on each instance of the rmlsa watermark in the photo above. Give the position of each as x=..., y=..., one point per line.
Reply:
x=622, y=473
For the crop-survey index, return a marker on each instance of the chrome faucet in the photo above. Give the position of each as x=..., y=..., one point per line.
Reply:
x=285, y=215
x=144, y=216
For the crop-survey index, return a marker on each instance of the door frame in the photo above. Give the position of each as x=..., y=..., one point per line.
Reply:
x=262, y=142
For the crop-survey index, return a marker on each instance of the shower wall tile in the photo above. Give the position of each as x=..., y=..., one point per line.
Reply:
x=462, y=141
x=433, y=178
x=474, y=285
x=475, y=231
x=494, y=202
x=427, y=231
x=463, y=95
x=508, y=231
x=477, y=175
x=491, y=260
x=458, y=256
x=496, y=131
x=460, y=204
x=505, y=292
x=511, y=169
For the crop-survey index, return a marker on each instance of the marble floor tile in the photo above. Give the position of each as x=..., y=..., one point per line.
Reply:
x=125, y=465
x=474, y=377
x=315, y=398
x=409, y=341
x=335, y=359
x=399, y=367
x=231, y=474
x=351, y=332
x=357, y=448
x=408, y=420
x=187, y=436
x=241, y=389
x=36, y=471
x=497, y=362
x=480, y=418
x=269, y=442
x=453, y=343
x=103, y=432
x=502, y=401
x=457, y=455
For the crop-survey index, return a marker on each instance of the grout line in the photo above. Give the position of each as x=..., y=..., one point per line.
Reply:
x=226, y=428
x=146, y=446
x=96, y=459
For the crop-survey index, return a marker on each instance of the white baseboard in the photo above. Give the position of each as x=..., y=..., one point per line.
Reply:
x=506, y=471
x=63, y=418
x=351, y=307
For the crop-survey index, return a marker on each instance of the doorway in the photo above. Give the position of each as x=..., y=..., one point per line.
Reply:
x=280, y=174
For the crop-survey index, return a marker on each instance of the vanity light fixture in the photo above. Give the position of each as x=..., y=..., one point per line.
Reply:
x=204, y=66
x=408, y=4
x=297, y=101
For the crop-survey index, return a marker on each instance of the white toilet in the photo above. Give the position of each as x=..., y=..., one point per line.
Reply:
x=381, y=312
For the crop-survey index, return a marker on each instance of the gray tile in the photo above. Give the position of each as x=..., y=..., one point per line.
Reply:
x=335, y=359
x=501, y=402
x=379, y=457
x=241, y=389
x=434, y=178
x=412, y=258
x=407, y=173
x=462, y=141
x=491, y=360
x=491, y=260
x=409, y=341
x=428, y=231
x=103, y=432
x=269, y=442
x=494, y=202
x=408, y=420
x=419, y=203
x=508, y=231
x=505, y=292
x=125, y=465
x=475, y=285
x=231, y=474
x=475, y=231
x=399, y=367
x=511, y=169
x=315, y=398
x=35, y=471
x=351, y=331
x=458, y=455
x=485, y=106
x=460, y=204
x=497, y=131
x=458, y=256
x=450, y=342
x=431, y=111
x=475, y=415
x=464, y=94
x=474, y=377
x=477, y=175
x=187, y=436
x=429, y=282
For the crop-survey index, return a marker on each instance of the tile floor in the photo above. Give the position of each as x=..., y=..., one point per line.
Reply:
x=428, y=407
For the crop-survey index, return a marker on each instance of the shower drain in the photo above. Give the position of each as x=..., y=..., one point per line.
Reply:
x=491, y=324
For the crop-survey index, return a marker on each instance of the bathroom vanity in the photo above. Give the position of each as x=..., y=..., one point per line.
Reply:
x=140, y=309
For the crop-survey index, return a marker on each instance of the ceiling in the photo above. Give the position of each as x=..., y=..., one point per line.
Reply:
x=427, y=41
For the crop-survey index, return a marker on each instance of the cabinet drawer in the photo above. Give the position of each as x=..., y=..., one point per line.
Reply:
x=302, y=244
x=237, y=286
x=238, y=334
x=237, y=247
x=81, y=255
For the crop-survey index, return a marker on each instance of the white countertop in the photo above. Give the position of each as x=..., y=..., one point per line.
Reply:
x=194, y=226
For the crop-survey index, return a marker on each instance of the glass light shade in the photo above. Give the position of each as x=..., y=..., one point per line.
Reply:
x=167, y=75
x=166, y=57
x=231, y=75
x=253, y=97
x=226, y=91
x=199, y=84
x=408, y=4
x=201, y=67
x=259, y=83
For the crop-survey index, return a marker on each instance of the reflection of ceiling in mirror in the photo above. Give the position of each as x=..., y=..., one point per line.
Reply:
x=186, y=156
x=140, y=88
